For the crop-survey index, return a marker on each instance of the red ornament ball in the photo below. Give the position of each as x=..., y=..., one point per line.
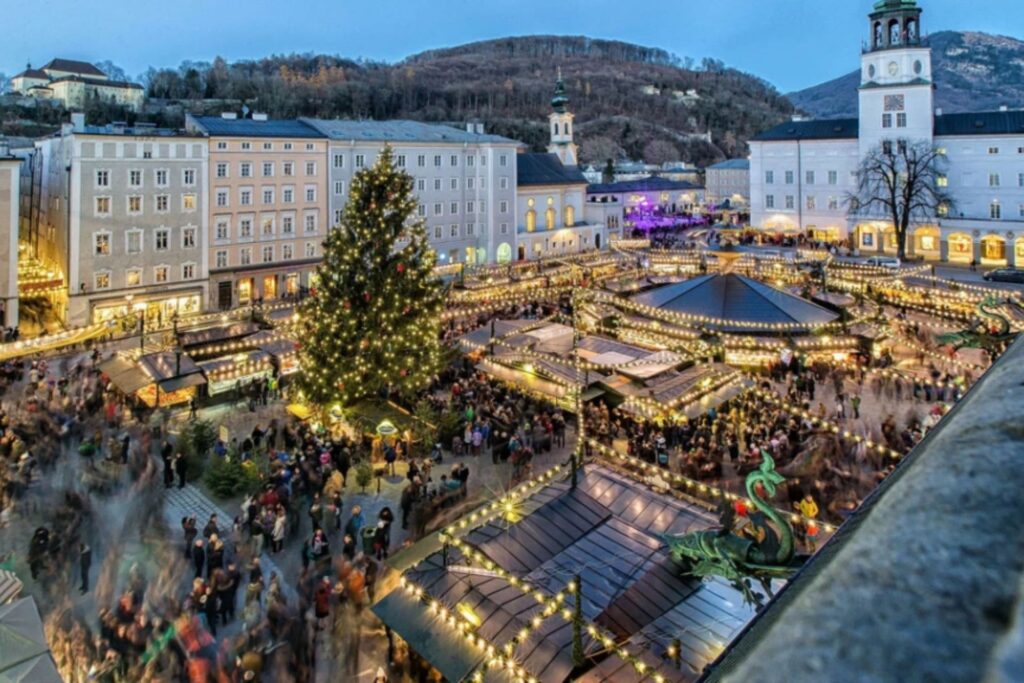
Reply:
x=401, y=267
x=366, y=296
x=403, y=372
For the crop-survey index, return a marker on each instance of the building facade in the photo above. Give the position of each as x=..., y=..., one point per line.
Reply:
x=123, y=214
x=464, y=180
x=803, y=173
x=10, y=188
x=75, y=84
x=728, y=181
x=267, y=213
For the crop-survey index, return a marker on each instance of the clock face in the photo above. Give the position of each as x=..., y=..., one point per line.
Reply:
x=894, y=68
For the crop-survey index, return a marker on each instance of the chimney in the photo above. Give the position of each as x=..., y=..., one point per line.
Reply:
x=259, y=116
x=228, y=115
x=1003, y=107
x=77, y=121
x=938, y=111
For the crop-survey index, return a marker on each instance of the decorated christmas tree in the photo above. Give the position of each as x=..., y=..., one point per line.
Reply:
x=373, y=319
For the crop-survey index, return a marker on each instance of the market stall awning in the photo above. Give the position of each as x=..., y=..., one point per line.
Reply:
x=24, y=654
x=183, y=382
x=125, y=374
x=213, y=335
x=10, y=586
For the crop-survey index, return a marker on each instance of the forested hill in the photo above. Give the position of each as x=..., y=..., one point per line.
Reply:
x=629, y=101
x=972, y=72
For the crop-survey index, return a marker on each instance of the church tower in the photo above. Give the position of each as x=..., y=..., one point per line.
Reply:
x=560, y=121
x=896, y=89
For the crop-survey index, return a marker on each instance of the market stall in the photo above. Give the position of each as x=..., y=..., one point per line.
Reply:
x=224, y=374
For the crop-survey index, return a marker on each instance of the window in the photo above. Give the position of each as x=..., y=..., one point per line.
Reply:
x=133, y=277
x=310, y=222
x=310, y=250
x=287, y=252
x=103, y=178
x=245, y=227
x=188, y=202
x=310, y=147
x=339, y=187
x=101, y=243
x=135, y=204
x=1020, y=180
x=455, y=183
x=901, y=120
x=942, y=180
x=161, y=239
x=338, y=215
x=268, y=253
x=102, y=206
x=789, y=201
x=188, y=271
x=246, y=146
x=188, y=177
x=222, y=170
x=245, y=169
x=1020, y=210
x=162, y=202
x=503, y=206
x=993, y=150
x=454, y=230
x=470, y=159
x=943, y=209
x=887, y=147
x=222, y=197
x=135, y=177
x=995, y=211
x=400, y=161
x=101, y=280
x=437, y=184
x=809, y=177
x=339, y=161
x=161, y=273
x=222, y=145
x=886, y=120
x=455, y=160
x=268, y=169
x=287, y=225
x=483, y=206
x=267, y=226
x=438, y=209
x=437, y=160
x=437, y=232
x=469, y=229
x=833, y=177
x=502, y=183
x=310, y=168
x=503, y=160
x=901, y=146
x=245, y=197
x=811, y=203
x=133, y=241
x=288, y=168
x=161, y=177
x=421, y=160
x=993, y=180
x=769, y=201
x=504, y=228
x=268, y=145
x=421, y=184
x=833, y=203
x=268, y=195
x=470, y=182
x=421, y=210
x=789, y=177
x=188, y=238
x=769, y=177
x=288, y=195
x=310, y=193
x=470, y=207
x=222, y=229
x=453, y=209
x=483, y=160
x=245, y=256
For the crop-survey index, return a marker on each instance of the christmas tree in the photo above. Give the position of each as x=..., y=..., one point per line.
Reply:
x=373, y=319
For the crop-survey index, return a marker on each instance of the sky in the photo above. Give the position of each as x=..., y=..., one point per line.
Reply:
x=792, y=44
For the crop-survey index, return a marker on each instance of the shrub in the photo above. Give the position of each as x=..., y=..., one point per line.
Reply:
x=364, y=475
x=227, y=478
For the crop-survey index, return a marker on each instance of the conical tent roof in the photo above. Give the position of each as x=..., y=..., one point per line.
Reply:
x=744, y=304
x=24, y=654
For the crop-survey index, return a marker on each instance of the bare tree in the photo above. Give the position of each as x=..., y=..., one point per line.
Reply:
x=899, y=180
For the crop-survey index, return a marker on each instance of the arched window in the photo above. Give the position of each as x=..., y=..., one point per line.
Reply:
x=531, y=220
x=570, y=215
x=878, y=34
x=504, y=254
x=911, y=31
x=993, y=248
x=549, y=219
x=894, y=32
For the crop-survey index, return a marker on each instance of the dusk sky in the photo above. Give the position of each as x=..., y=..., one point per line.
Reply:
x=791, y=43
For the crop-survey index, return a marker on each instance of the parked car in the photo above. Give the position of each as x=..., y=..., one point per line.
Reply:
x=1005, y=275
x=884, y=262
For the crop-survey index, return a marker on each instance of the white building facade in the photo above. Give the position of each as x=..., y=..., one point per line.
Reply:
x=464, y=180
x=803, y=173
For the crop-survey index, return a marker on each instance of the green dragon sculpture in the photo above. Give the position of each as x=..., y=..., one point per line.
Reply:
x=981, y=334
x=720, y=552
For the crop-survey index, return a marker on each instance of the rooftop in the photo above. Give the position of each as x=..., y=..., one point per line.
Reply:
x=399, y=131
x=253, y=128
x=731, y=164
x=72, y=66
x=546, y=169
x=650, y=184
x=32, y=73
x=97, y=81
x=139, y=130
x=1010, y=122
x=823, y=129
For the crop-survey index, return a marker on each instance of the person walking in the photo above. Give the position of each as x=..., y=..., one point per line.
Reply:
x=198, y=557
x=181, y=468
x=84, y=562
x=277, y=537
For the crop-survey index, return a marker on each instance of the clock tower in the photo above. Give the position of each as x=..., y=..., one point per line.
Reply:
x=896, y=89
x=560, y=120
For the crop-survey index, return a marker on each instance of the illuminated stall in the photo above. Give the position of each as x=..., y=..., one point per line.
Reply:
x=224, y=374
x=174, y=379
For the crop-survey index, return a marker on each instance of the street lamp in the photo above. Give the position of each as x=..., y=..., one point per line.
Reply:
x=174, y=324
